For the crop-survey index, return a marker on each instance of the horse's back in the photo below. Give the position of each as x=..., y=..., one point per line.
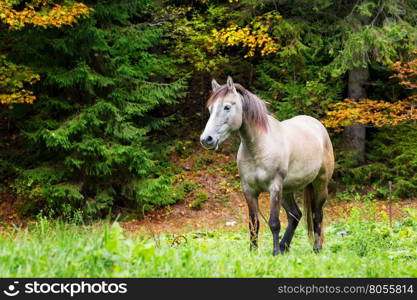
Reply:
x=310, y=128
x=310, y=125
x=310, y=147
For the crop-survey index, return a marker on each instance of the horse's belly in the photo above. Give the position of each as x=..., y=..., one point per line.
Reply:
x=298, y=179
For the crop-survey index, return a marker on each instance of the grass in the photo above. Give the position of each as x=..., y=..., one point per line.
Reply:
x=368, y=248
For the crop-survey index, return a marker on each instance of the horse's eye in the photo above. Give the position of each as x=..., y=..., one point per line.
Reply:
x=227, y=107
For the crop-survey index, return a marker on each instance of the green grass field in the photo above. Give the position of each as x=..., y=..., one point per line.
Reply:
x=53, y=249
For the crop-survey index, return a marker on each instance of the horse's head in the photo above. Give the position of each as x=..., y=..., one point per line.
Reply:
x=226, y=114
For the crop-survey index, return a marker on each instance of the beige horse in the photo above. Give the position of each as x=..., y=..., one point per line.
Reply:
x=275, y=157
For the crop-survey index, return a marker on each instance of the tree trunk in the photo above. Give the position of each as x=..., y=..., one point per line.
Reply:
x=354, y=136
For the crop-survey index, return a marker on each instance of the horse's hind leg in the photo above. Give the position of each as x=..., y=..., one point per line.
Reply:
x=320, y=197
x=293, y=215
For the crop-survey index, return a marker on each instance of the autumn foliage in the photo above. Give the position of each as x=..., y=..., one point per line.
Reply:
x=407, y=74
x=379, y=113
x=41, y=13
x=15, y=79
x=254, y=36
x=376, y=113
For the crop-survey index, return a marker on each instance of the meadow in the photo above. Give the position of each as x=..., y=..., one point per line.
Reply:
x=358, y=246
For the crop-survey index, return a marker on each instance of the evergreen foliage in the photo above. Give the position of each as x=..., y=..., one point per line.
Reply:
x=87, y=138
x=392, y=156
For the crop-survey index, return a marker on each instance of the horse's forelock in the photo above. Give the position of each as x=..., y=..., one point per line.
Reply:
x=254, y=108
x=220, y=92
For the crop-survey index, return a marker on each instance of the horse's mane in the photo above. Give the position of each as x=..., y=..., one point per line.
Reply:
x=254, y=108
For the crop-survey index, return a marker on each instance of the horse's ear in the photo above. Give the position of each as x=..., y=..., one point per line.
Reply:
x=214, y=84
x=230, y=84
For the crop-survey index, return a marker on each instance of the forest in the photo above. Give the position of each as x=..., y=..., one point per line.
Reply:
x=102, y=104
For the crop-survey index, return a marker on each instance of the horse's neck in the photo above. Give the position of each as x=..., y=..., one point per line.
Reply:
x=252, y=140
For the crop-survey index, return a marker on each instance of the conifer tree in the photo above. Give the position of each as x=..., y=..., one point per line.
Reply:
x=87, y=137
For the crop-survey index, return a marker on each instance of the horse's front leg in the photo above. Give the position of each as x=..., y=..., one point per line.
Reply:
x=275, y=194
x=252, y=200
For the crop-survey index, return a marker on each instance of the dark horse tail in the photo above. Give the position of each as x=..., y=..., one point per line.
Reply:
x=308, y=208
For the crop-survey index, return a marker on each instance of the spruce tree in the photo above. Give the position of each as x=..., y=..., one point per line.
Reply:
x=87, y=138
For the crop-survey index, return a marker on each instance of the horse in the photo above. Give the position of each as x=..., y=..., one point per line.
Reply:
x=279, y=157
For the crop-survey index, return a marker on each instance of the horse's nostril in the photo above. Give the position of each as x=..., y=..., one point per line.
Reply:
x=207, y=141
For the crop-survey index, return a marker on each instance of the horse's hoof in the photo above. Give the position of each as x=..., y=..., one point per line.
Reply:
x=284, y=249
x=317, y=250
x=276, y=252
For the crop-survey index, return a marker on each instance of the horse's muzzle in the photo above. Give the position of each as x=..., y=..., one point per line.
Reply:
x=208, y=142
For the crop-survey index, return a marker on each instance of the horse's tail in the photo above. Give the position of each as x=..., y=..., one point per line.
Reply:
x=308, y=208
